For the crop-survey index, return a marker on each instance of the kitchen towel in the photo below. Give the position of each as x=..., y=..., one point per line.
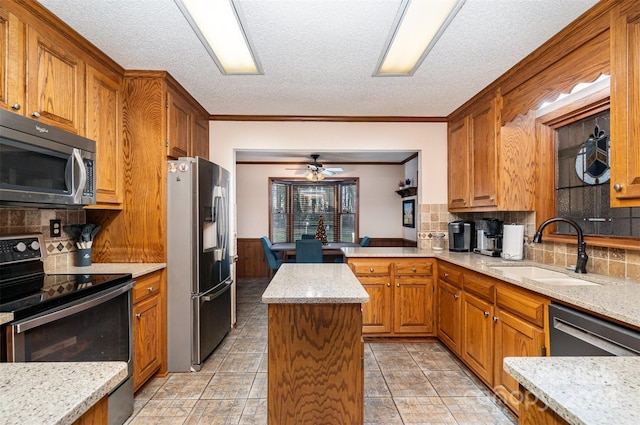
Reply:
x=512, y=241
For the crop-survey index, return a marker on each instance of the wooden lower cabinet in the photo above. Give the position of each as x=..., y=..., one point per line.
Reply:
x=477, y=342
x=147, y=328
x=98, y=414
x=483, y=320
x=535, y=412
x=376, y=314
x=401, y=295
x=519, y=332
x=449, y=315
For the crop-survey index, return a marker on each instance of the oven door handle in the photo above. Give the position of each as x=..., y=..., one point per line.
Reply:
x=68, y=311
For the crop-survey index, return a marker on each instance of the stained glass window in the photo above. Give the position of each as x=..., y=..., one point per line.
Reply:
x=582, y=178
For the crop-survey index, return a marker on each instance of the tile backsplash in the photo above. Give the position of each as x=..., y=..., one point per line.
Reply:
x=608, y=261
x=60, y=250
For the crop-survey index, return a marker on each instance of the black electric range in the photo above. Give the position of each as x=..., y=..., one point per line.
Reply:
x=26, y=290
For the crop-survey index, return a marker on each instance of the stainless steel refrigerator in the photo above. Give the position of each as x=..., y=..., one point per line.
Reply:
x=198, y=265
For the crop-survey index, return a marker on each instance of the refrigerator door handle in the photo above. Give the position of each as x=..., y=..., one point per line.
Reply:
x=212, y=297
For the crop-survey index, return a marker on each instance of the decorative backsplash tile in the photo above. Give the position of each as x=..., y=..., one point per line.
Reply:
x=59, y=251
x=602, y=260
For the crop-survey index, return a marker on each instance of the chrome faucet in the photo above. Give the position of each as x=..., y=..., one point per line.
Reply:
x=581, y=263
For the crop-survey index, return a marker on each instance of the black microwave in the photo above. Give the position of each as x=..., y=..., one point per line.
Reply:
x=43, y=166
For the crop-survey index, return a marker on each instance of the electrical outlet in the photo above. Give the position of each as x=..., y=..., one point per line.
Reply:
x=55, y=228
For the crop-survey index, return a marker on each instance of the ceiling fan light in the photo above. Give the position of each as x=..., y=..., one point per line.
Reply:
x=417, y=28
x=314, y=176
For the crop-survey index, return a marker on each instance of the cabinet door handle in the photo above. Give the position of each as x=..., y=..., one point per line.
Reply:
x=446, y=275
x=16, y=106
x=495, y=318
x=455, y=296
x=388, y=284
x=35, y=114
x=371, y=269
x=150, y=288
x=414, y=269
x=398, y=284
x=486, y=314
x=464, y=201
x=139, y=315
x=491, y=199
x=617, y=187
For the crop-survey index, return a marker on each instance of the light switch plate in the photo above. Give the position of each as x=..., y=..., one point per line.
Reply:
x=55, y=228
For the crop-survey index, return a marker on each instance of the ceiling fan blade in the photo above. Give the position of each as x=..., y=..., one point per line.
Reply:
x=335, y=169
x=327, y=172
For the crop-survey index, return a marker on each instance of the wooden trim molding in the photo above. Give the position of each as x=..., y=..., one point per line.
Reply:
x=327, y=118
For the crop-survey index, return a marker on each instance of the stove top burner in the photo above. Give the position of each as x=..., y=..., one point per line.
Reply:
x=25, y=290
x=36, y=294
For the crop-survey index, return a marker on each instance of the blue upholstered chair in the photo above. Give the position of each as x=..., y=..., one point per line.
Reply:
x=308, y=251
x=272, y=261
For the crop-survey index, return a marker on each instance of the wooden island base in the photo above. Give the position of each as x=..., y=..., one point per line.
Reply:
x=316, y=357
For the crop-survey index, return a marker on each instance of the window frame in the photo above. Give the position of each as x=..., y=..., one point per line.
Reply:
x=292, y=181
x=546, y=133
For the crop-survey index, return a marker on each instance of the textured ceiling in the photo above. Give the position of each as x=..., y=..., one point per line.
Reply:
x=318, y=55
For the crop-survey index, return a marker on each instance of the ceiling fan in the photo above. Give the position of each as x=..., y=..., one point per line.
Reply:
x=315, y=171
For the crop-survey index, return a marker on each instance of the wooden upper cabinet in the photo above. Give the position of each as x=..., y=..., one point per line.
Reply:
x=179, y=125
x=12, y=93
x=483, y=150
x=104, y=125
x=491, y=168
x=201, y=138
x=458, y=163
x=55, y=82
x=625, y=105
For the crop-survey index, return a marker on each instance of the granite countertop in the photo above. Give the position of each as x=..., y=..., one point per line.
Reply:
x=5, y=318
x=615, y=298
x=136, y=269
x=583, y=390
x=324, y=283
x=54, y=393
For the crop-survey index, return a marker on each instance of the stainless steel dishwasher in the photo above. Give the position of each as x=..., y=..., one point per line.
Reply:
x=575, y=333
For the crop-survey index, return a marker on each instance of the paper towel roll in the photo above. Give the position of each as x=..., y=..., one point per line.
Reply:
x=512, y=241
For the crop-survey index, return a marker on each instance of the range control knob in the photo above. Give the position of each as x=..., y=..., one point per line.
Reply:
x=20, y=247
x=34, y=246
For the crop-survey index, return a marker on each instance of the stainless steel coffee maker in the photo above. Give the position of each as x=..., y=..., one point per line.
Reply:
x=489, y=237
x=461, y=236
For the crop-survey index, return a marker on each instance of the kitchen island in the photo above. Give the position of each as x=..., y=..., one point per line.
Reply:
x=57, y=393
x=316, y=351
x=580, y=390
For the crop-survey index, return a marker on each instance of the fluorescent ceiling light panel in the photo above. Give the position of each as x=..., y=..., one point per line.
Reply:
x=417, y=28
x=218, y=26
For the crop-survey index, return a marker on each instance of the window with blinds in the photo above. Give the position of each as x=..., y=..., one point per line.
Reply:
x=296, y=206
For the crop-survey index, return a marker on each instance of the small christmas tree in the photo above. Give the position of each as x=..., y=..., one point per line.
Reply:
x=321, y=233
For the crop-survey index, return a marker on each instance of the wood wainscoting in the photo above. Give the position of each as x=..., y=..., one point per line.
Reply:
x=253, y=264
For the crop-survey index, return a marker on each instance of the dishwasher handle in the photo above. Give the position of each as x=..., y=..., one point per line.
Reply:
x=596, y=340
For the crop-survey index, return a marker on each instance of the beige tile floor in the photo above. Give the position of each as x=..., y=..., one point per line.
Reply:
x=405, y=383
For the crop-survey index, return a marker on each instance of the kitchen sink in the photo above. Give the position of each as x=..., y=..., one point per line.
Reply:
x=542, y=275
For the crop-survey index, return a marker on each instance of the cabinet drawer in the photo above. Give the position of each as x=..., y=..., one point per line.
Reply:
x=450, y=274
x=374, y=280
x=521, y=303
x=414, y=268
x=146, y=285
x=479, y=285
x=368, y=268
